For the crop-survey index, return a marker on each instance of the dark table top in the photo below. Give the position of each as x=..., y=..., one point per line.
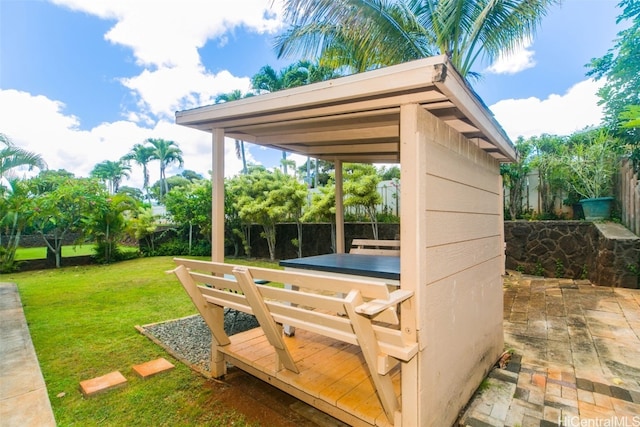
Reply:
x=379, y=266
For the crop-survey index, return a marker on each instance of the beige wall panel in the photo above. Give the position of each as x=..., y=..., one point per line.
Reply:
x=452, y=256
x=448, y=138
x=445, y=195
x=444, y=162
x=459, y=227
x=460, y=296
x=446, y=260
x=462, y=321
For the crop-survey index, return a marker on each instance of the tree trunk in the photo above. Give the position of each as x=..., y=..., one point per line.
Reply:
x=333, y=237
x=270, y=235
x=244, y=160
x=299, y=226
x=107, y=247
x=54, y=251
x=374, y=221
x=246, y=229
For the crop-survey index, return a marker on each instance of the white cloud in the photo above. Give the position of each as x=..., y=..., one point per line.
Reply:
x=166, y=90
x=558, y=114
x=514, y=62
x=165, y=36
x=39, y=124
x=169, y=33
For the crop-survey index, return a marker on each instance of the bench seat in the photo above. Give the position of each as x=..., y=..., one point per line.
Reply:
x=375, y=247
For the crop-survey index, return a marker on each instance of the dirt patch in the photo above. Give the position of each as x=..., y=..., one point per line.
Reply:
x=258, y=401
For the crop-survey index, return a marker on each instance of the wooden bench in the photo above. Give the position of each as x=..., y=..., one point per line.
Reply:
x=366, y=315
x=375, y=247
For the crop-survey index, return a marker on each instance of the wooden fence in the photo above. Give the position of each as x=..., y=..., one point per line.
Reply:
x=629, y=196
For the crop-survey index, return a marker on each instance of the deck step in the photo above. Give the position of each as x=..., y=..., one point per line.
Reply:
x=153, y=367
x=101, y=384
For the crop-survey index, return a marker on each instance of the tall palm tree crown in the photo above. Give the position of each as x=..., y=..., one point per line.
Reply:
x=166, y=152
x=112, y=173
x=298, y=74
x=367, y=34
x=234, y=96
x=141, y=155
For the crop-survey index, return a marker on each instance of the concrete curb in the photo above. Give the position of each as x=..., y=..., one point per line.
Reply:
x=23, y=394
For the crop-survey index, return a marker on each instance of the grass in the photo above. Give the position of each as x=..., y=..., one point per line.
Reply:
x=82, y=322
x=23, y=254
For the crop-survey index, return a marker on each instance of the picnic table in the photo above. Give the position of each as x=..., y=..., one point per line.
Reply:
x=386, y=268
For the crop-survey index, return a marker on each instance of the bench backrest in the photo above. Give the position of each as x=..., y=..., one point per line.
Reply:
x=358, y=312
x=316, y=303
x=375, y=247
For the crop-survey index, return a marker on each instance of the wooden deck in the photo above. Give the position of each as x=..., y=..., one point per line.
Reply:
x=333, y=375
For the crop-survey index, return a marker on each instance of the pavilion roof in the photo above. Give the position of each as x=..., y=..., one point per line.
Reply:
x=357, y=117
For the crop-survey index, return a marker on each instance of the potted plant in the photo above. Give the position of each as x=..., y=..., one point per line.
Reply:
x=591, y=160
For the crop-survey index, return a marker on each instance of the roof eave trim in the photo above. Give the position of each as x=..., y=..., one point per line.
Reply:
x=452, y=84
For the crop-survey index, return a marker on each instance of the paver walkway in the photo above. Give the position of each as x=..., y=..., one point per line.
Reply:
x=576, y=357
x=23, y=395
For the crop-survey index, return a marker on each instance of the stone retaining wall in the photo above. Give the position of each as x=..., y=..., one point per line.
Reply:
x=36, y=241
x=617, y=257
x=607, y=254
x=45, y=264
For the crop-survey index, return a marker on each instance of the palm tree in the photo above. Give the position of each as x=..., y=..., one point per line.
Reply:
x=112, y=173
x=234, y=96
x=15, y=205
x=298, y=74
x=12, y=157
x=141, y=155
x=366, y=34
x=166, y=152
x=315, y=72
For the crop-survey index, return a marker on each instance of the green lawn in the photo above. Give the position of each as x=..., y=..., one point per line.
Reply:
x=23, y=254
x=82, y=322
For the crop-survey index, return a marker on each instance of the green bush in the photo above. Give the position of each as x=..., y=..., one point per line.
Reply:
x=116, y=253
x=175, y=247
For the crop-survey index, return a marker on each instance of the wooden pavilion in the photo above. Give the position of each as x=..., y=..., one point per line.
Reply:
x=425, y=117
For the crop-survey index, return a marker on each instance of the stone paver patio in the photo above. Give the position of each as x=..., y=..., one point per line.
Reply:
x=576, y=357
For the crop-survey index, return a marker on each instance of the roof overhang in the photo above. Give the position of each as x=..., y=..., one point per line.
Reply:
x=356, y=118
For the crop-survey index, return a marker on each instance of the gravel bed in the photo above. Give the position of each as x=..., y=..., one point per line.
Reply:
x=189, y=338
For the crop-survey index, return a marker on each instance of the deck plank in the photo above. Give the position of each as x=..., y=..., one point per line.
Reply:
x=318, y=378
x=333, y=375
x=332, y=393
x=315, y=376
x=299, y=350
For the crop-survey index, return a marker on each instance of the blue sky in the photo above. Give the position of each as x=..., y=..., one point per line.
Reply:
x=82, y=81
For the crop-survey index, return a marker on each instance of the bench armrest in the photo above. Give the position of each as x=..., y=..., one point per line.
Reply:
x=376, y=306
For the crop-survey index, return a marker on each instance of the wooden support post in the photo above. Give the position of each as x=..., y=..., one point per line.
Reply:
x=339, y=209
x=217, y=199
x=288, y=329
x=413, y=159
